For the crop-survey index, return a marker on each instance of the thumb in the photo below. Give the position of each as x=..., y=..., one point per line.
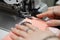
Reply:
x=46, y=14
x=53, y=23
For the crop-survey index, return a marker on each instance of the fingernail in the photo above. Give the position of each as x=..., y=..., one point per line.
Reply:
x=23, y=23
x=29, y=17
x=16, y=24
x=12, y=28
x=37, y=15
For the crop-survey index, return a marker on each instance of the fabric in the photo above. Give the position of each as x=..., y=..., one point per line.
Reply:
x=58, y=2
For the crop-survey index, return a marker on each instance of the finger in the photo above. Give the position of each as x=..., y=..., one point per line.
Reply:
x=31, y=27
x=46, y=14
x=53, y=23
x=19, y=32
x=24, y=28
x=15, y=37
x=51, y=8
x=21, y=27
x=34, y=18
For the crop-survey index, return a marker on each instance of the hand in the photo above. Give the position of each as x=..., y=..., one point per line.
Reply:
x=29, y=32
x=54, y=14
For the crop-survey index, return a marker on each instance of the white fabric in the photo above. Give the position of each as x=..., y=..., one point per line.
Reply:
x=58, y=2
x=12, y=1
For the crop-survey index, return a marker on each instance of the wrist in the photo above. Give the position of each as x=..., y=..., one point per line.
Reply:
x=52, y=38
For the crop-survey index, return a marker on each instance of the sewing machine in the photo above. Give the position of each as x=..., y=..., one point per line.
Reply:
x=14, y=11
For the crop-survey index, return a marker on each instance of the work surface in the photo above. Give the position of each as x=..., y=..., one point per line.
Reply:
x=7, y=21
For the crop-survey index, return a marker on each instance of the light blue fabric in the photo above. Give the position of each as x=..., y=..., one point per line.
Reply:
x=3, y=34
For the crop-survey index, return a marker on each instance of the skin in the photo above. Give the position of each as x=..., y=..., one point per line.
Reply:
x=34, y=33
x=21, y=34
x=54, y=14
